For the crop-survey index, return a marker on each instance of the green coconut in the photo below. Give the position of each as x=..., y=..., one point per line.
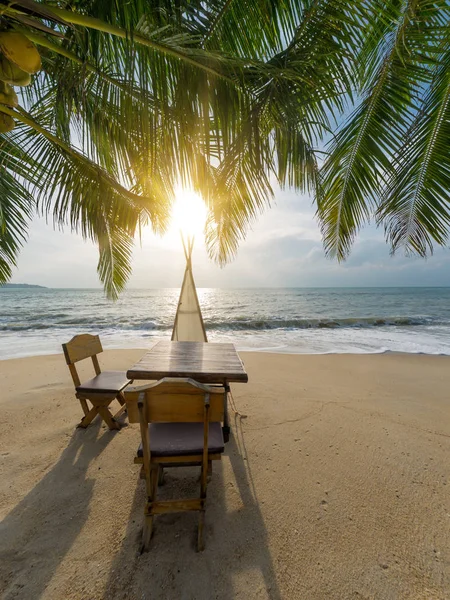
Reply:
x=7, y=95
x=11, y=73
x=6, y=123
x=20, y=50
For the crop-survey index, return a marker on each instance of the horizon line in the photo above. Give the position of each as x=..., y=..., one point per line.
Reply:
x=284, y=287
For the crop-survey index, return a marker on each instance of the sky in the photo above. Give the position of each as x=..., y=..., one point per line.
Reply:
x=283, y=249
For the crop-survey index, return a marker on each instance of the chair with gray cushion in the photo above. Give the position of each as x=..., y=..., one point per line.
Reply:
x=102, y=389
x=180, y=422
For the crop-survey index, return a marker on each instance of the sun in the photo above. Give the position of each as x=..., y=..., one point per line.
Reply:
x=188, y=213
x=188, y=216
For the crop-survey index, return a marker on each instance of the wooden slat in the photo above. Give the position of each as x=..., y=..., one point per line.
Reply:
x=204, y=362
x=81, y=347
x=170, y=506
x=181, y=402
x=97, y=399
x=120, y=412
x=96, y=364
x=194, y=459
x=131, y=395
x=174, y=405
x=131, y=399
x=182, y=408
x=74, y=373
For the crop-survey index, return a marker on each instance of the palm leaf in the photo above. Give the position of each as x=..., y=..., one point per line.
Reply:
x=361, y=153
x=16, y=209
x=230, y=97
x=77, y=191
x=415, y=207
x=114, y=265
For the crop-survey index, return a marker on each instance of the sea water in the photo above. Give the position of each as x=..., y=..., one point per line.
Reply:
x=296, y=320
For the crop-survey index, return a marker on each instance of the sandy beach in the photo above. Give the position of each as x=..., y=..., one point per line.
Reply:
x=335, y=485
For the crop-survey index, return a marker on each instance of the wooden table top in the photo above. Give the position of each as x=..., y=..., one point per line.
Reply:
x=205, y=362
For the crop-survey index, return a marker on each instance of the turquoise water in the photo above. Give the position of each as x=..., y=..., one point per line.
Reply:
x=325, y=320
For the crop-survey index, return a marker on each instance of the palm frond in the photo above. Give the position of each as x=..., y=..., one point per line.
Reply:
x=230, y=97
x=230, y=26
x=114, y=265
x=415, y=207
x=361, y=153
x=79, y=193
x=240, y=191
x=16, y=209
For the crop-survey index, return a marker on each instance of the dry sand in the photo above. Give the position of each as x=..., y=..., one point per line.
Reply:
x=335, y=485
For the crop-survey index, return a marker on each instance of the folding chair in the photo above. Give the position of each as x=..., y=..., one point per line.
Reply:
x=180, y=426
x=102, y=389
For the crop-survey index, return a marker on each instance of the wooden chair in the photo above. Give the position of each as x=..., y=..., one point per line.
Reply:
x=180, y=425
x=102, y=389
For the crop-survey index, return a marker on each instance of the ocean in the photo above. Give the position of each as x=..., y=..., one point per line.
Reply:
x=294, y=320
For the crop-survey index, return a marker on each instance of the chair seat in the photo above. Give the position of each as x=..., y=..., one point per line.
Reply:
x=183, y=439
x=108, y=382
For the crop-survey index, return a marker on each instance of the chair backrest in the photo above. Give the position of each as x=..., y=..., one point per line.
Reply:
x=181, y=400
x=81, y=347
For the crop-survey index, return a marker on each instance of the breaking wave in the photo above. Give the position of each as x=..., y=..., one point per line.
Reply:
x=238, y=324
x=277, y=323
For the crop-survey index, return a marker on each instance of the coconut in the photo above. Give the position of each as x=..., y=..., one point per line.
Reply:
x=6, y=123
x=7, y=95
x=20, y=50
x=10, y=73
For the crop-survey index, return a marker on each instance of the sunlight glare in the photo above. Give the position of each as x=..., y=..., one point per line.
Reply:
x=188, y=213
x=188, y=216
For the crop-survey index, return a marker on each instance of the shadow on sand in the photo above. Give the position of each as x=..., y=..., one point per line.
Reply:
x=235, y=536
x=31, y=545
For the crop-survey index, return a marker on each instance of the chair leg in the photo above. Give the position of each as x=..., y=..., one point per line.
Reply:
x=108, y=418
x=147, y=535
x=148, y=519
x=201, y=523
x=123, y=407
x=161, y=476
x=88, y=418
x=209, y=472
x=156, y=475
x=84, y=405
x=120, y=412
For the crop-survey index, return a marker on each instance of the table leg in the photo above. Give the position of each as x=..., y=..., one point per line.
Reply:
x=226, y=419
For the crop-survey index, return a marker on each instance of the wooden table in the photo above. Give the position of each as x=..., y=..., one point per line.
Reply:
x=205, y=362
